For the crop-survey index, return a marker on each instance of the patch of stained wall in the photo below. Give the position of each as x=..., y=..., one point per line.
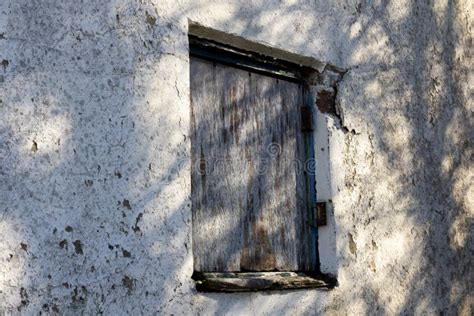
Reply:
x=95, y=166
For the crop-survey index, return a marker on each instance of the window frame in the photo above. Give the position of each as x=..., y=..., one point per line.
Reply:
x=259, y=63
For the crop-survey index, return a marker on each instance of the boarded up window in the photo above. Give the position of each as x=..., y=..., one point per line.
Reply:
x=251, y=187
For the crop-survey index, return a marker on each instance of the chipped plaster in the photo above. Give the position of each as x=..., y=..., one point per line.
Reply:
x=95, y=155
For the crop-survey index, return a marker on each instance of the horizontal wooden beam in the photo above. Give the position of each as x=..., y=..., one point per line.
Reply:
x=247, y=60
x=260, y=281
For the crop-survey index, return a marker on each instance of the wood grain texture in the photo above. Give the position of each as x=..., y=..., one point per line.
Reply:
x=243, y=282
x=248, y=185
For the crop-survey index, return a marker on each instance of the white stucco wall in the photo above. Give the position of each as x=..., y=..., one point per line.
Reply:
x=95, y=211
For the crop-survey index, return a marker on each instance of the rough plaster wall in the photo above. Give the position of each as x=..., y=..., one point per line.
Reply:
x=95, y=170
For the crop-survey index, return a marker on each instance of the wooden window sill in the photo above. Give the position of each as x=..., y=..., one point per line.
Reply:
x=260, y=281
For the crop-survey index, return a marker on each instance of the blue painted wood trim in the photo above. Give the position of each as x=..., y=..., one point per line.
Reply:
x=310, y=169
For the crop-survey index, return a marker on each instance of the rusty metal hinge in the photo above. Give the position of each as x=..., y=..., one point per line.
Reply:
x=321, y=219
x=306, y=119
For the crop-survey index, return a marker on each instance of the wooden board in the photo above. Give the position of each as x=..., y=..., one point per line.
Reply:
x=262, y=281
x=248, y=186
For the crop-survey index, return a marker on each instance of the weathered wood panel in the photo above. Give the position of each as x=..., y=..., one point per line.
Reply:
x=248, y=186
x=245, y=281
